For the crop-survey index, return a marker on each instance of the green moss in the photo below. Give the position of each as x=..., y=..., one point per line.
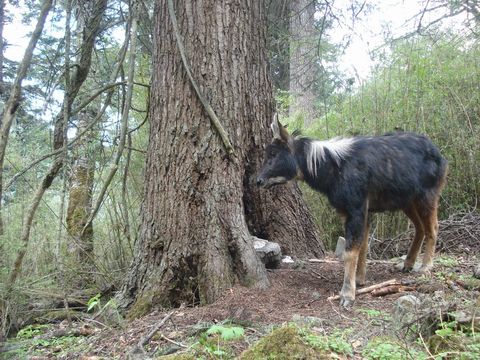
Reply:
x=283, y=343
x=142, y=306
x=59, y=315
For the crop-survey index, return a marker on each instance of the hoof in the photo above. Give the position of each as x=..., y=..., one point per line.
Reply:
x=346, y=303
x=404, y=267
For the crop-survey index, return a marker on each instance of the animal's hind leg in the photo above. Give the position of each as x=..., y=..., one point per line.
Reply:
x=362, y=255
x=414, y=216
x=428, y=215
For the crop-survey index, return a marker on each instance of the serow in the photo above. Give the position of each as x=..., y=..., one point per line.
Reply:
x=363, y=175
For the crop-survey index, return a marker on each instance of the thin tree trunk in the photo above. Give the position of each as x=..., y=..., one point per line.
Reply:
x=123, y=122
x=2, y=49
x=302, y=59
x=77, y=80
x=195, y=239
x=279, y=43
x=80, y=247
x=14, y=99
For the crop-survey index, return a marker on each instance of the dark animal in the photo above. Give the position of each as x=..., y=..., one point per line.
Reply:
x=361, y=175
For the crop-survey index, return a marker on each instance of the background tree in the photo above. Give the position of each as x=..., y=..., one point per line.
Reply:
x=304, y=67
x=200, y=205
x=303, y=57
x=81, y=179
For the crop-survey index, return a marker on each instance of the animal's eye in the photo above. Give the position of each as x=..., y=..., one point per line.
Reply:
x=272, y=153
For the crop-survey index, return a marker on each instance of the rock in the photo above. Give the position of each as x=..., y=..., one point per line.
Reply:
x=287, y=260
x=340, y=249
x=406, y=309
x=476, y=272
x=269, y=252
x=308, y=321
x=466, y=320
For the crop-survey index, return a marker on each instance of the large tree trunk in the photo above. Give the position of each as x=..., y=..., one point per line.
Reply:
x=200, y=206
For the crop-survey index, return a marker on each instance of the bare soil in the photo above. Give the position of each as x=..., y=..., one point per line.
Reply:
x=298, y=292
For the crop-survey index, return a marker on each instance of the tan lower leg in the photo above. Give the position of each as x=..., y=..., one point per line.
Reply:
x=362, y=260
x=430, y=241
x=351, y=260
x=414, y=249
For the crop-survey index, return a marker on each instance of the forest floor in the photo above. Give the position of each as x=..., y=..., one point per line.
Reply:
x=297, y=301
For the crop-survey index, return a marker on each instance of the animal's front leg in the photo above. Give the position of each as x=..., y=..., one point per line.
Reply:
x=355, y=227
x=347, y=295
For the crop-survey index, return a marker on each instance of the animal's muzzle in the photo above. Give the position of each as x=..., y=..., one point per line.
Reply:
x=260, y=181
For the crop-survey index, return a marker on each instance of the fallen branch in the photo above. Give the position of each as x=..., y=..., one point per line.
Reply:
x=326, y=261
x=392, y=289
x=82, y=331
x=370, y=288
x=147, y=338
x=335, y=261
x=180, y=345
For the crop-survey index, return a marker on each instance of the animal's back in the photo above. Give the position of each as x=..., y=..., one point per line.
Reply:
x=396, y=168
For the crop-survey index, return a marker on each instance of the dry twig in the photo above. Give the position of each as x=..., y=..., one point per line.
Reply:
x=370, y=288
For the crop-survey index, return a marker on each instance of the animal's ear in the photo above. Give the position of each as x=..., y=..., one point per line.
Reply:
x=279, y=131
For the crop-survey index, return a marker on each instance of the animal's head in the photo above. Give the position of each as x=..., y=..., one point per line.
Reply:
x=279, y=165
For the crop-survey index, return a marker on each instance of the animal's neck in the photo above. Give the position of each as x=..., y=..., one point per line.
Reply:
x=317, y=167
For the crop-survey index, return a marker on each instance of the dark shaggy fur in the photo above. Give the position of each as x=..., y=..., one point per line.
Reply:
x=397, y=171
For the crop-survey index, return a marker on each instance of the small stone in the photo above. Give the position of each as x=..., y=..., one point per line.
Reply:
x=287, y=260
x=476, y=272
x=406, y=309
x=340, y=249
x=268, y=251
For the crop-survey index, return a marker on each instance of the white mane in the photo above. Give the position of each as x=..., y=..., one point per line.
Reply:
x=338, y=148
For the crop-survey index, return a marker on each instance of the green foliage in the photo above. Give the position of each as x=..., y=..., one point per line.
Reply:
x=226, y=332
x=451, y=340
x=28, y=344
x=424, y=86
x=93, y=302
x=214, y=342
x=446, y=261
x=336, y=342
x=376, y=316
x=389, y=349
x=31, y=331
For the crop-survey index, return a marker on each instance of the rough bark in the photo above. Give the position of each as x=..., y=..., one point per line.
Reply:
x=200, y=206
x=302, y=60
x=80, y=198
